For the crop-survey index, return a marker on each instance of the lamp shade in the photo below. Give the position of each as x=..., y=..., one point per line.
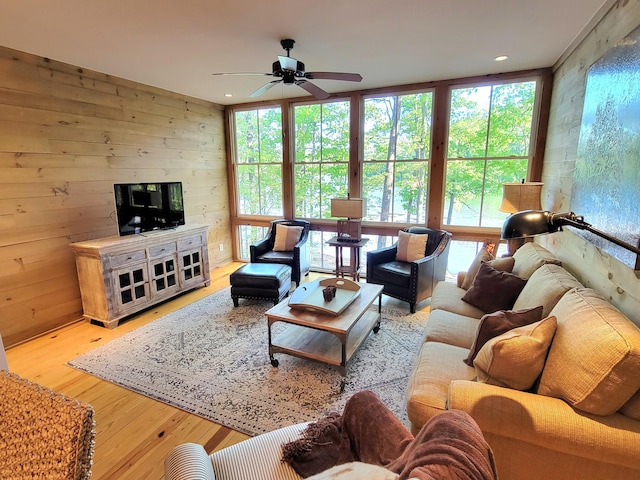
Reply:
x=347, y=207
x=528, y=223
x=519, y=196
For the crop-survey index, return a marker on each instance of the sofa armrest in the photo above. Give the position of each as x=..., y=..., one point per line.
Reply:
x=548, y=422
x=188, y=461
x=460, y=279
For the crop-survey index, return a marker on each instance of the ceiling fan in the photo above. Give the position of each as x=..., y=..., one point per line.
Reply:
x=290, y=71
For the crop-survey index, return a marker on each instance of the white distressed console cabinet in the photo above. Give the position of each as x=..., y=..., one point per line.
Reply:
x=120, y=276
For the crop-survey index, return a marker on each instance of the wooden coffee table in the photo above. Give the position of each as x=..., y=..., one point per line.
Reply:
x=326, y=338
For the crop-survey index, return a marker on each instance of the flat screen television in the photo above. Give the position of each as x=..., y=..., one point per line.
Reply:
x=142, y=207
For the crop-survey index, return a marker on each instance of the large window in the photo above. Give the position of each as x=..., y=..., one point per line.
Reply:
x=488, y=144
x=321, y=160
x=397, y=138
x=258, y=161
x=434, y=155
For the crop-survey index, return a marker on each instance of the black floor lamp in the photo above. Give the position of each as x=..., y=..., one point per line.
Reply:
x=529, y=223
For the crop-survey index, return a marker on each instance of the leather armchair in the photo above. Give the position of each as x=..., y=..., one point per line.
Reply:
x=299, y=259
x=411, y=281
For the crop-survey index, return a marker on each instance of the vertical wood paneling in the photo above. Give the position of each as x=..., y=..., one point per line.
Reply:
x=66, y=136
x=592, y=266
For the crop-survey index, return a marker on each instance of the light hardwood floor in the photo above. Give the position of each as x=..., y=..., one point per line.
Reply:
x=133, y=433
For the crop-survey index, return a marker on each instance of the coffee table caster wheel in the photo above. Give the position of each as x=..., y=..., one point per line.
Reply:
x=274, y=362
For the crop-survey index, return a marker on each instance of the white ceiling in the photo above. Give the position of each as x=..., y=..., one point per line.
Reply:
x=176, y=45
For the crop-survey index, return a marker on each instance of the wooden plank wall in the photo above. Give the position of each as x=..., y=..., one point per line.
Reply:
x=66, y=136
x=590, y=265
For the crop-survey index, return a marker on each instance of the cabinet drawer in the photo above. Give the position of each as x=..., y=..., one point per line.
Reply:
x=124, y=258
x=189, y=242
x=161, y=250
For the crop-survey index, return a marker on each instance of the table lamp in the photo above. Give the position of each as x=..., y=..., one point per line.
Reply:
x=349, y=228
x=516, y=197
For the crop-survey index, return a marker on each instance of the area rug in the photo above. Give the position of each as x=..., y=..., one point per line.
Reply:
x=211, y=359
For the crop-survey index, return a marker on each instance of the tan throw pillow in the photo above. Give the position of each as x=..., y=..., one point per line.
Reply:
x=411, y=246
x=594, y=360
x=493, y=290
x=482, y=256
x=493, y=324
x=286, y=237
x=516, y=358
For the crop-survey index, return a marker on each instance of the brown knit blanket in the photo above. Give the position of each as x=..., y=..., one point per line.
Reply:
x=449, y=446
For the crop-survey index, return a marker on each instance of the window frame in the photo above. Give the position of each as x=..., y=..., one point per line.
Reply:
x=486, y=158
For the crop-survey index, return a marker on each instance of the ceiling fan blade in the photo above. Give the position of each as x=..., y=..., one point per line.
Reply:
x=245, y=73
x=264, y=88
x=347, y=77
x=288, y=63
x=314, y=90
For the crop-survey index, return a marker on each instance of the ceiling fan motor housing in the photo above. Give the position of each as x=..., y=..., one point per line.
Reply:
x=278, y=71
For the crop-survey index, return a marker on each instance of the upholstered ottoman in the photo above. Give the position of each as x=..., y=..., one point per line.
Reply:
x=262, y=281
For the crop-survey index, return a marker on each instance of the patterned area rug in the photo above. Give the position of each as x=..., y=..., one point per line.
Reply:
x=211, y=359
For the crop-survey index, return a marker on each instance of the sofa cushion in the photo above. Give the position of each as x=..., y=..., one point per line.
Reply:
x=631, y=409
x=447, y=296
x=496, y=323
x=545, y=287
x=493, y=290
x=437, y=365
x=451, y=328
x=594, y=359
x=411, y=246
x=503, y=264
x=286, y=237
x=515, y=359
x=531, y=256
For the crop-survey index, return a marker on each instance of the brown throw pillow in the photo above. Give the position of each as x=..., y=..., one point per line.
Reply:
x=494, y=324
x=493, y=290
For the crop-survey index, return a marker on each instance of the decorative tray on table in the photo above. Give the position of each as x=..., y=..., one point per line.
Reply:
x=311, y=296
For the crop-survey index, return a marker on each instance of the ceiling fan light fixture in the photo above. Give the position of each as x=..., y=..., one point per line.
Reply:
x=290, y=71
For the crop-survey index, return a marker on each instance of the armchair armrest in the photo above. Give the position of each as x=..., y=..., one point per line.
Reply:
x=383, y=255
x=260, y=248
x=429, y=270
x=548, y=422
x=302, y=253
x=188, y=460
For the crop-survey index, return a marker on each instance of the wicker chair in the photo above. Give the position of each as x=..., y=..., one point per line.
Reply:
x=43, y=434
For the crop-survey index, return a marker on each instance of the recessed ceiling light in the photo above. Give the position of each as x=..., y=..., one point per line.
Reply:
x=501, y=58
x=228, y=95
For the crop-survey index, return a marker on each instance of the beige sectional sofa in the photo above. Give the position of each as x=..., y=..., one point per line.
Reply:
x=581, y=416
